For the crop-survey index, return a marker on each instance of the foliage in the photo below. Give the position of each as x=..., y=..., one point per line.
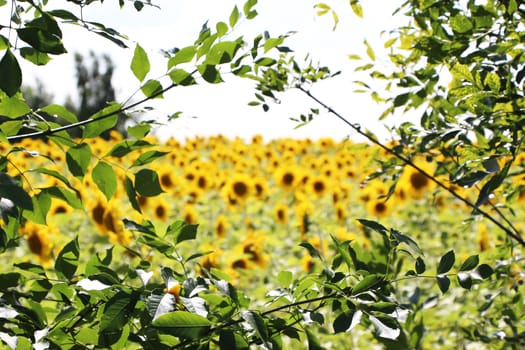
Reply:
x=471, y=125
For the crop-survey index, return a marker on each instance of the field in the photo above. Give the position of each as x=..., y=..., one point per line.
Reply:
x=260, y=207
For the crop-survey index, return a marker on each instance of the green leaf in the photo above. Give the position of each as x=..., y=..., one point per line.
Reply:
x=181, y=77
x=104, y=177
x=402, y=238
x=132, y=195
x=152, y=88
x=356, y=8
x=222, y=29
x=182, y=231
x=484, y=271
x=147, y=183
x=59, y=111
x=464, y=280
x=257, y=323
x=420, y=265
x=470, y=263
x=67, y=261
x=228, y=340
x=103, y=120
x=367, y=283
x=148, y=157
x=36, y=57
x=184, y=55
x=116, y=312
x=369, y=51
x=42, y=40
x=313, y=341
x=222, y=52
x=460, y=23
x=139, y=131
x=493, y=82
x=78, y=158
x=140, y=65
x=210, y=73
x=446, y=262
x=14, y=106
x=234, y=16
x=126, y=146
x=183, y=324
x=285, y=278
x=41, y=205
x=248, y=9
x=265, y=61
x=443, y=283
x=374, y=226
x=10, y=189
x=462, y=72
x=71, y=198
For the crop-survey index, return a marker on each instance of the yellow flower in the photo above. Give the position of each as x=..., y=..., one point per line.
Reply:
x=39, y=241
x=483, y=237
x=221, y=225
x=281, y=214
x=189, y=214
x=379, y=207
x=161, y=209
x=251, y=251
x=239, y=187
x=340, y=211
x=414, y=183
x=287, y=177
x=318, y=186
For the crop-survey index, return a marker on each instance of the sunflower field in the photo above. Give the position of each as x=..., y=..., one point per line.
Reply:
x=121, y=240
x=257, y=215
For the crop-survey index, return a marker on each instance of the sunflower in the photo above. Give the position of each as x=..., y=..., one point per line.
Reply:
x=483, y=237
x=260, y=187
x=251, y=248
x=212, y=259
x=221, y=225
x=39, y=241
x=340, y=212
x=189, y=214
x=239, y=188
x=160, y=209
x=281, y=214
x=378, y=207
x=58, y=207
x=167, y=178
x=318, y=186
x=287, y=177
x=415, y=183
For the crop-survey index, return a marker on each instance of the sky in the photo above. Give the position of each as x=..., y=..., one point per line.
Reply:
x=222, y=109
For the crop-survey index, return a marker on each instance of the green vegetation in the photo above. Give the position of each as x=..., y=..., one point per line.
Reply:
x=127, y=242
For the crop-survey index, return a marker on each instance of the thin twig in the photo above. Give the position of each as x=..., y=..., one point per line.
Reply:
x=407, y=161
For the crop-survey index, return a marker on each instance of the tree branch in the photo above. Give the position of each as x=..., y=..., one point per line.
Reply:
x=407, y=161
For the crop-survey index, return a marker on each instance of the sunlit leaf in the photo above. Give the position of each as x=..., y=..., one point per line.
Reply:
x=183, y=324
x=140, y=65
x=105, y=178
x=78, y=158
x=102, y=120
x=184, y=55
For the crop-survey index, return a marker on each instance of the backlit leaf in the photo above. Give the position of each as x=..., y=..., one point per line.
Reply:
x=140, y=65
x=184, y=55
x=104, y=177
x=103, y=120
x=78, y=158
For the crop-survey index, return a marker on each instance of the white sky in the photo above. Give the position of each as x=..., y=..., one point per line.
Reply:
x=212, y=109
